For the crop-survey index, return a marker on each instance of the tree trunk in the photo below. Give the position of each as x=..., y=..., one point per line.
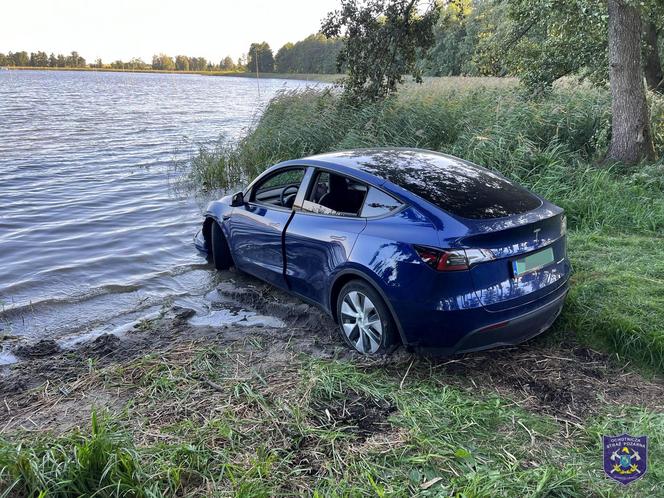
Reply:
x=652, y=66
x=631, y=140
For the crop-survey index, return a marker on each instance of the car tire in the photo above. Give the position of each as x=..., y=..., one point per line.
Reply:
x=365, y=322
x=221, y=253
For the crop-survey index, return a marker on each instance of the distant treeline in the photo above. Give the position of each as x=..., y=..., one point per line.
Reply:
x=314, y=54
x=41, y=59
x=159, y=62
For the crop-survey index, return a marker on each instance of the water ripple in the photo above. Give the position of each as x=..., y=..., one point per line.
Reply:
x=87, y=219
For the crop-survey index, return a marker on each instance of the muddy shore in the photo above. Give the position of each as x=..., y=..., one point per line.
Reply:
x=46, y=390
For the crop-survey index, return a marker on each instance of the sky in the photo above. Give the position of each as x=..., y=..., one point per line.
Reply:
x=122, y=29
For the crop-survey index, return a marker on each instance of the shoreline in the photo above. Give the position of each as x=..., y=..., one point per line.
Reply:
x=325, y=78
x=298, y=405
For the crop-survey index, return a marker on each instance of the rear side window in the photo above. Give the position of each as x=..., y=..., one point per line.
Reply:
x=378, y=203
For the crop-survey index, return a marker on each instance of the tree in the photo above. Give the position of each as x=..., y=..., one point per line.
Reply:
x=652, y=65
x=541, y=42
x=455, y=34
x=227, y=64
x=315, y=54
x=52, y=60
x=382, y=42
x=631, y=139
x=260, y=55
x=21, y=59
x=182, y=63
x=74, y=60
x=38, y=59
x=163, y=62
x=284, y=61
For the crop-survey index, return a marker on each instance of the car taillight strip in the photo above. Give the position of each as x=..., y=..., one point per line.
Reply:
x=452, y=259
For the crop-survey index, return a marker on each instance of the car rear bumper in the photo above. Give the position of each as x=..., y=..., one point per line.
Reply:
x=502, y=329
x=514, y=331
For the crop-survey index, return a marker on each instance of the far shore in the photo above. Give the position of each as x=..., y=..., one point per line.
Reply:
x=328, y=78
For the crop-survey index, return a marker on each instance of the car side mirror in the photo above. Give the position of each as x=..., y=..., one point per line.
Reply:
x=237, y=200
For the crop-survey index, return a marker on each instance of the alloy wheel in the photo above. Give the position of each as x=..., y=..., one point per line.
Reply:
x=361, y=322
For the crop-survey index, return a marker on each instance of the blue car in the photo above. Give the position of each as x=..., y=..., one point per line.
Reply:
x=401, y=247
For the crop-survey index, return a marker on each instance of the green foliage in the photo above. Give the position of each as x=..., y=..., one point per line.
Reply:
x=549, y=143
x=315, y=54
x=163, y=62
x=101, y=463
x=227, y=64
x=259, y=57
x=182, y=63
x=543, y=40
x=40, y=59
x=457, y=35
x=160, y=62
x=382, y=43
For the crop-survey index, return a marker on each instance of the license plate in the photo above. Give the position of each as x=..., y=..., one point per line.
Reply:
x=533, y=262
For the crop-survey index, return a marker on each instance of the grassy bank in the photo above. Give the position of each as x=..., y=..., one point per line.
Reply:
x=257, y=418
x=553, y=145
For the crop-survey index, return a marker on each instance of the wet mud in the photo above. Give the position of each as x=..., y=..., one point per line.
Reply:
x=567, y=381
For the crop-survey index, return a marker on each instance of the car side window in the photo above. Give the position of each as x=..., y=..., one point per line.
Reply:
x=335, y=194
x=279, y=189
x=378, y=203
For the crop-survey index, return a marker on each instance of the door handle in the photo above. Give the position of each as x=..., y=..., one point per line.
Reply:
x=338, y=237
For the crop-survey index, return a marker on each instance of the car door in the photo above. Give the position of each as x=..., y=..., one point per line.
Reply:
x=322, y=232
x=256, y=228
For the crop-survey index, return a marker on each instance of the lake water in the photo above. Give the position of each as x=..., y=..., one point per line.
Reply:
x=92, y=234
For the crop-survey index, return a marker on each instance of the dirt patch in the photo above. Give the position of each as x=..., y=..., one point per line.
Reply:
x=568, y=381
x=355, y=414
x=267, y=300
x=45, y=347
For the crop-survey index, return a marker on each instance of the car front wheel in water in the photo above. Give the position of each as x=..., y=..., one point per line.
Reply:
x=365, y=322
x=221, y=254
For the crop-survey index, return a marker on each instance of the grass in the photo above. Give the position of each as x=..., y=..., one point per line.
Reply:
x=616, y=300
x=554, y=145
x=211, y=421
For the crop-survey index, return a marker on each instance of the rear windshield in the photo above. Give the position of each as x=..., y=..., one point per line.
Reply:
x=460, y=188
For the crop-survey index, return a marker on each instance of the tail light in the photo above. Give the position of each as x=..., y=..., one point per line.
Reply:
x=563, y=225
x=453, y=260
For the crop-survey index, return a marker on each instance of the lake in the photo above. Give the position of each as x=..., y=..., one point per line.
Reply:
x=92, y=234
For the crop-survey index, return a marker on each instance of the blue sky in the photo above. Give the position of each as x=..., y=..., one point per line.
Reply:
x=121, y=29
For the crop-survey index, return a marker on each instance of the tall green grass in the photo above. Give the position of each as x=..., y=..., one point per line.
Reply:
x=102, y=462
x=554, y=145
